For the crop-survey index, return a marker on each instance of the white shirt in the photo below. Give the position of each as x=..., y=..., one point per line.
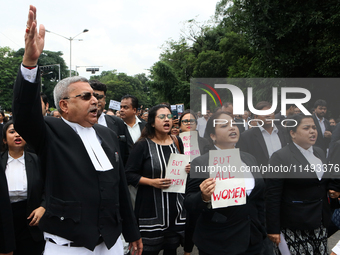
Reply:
x=272, y=140
x=322, y=124
x=312, y=159
x=29, y=74
x=134, y=131
x=101, y=120
x=201, y=125
x=16, y=178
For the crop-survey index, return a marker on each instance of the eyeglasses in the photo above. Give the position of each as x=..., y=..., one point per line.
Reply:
x=162, y=116
x=192, y=121
x=173, y=127
x=84, y=96
x=99, y=97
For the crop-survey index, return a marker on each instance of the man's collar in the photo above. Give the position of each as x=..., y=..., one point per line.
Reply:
x=137, y=120
x=318, y=118
x=274, y=128
x=74, y=125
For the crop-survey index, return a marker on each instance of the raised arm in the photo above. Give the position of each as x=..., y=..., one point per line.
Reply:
x=34, y=41
x=26, y=106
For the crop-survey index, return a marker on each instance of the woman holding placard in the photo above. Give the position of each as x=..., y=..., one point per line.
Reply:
x=298, y=209
x=237, y=229
x=188, y=123
x=160, y=215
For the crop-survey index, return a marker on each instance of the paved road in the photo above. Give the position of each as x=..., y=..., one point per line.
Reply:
x=331, y=242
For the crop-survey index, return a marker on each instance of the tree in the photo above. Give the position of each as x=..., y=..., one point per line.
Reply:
x=121, y=84
x=50, y=76
x=168, y=86
x=9, y=64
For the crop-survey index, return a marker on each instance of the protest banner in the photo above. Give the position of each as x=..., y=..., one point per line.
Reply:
x=115, y=105
x=230, y=187
x=175, y=171
x=190, y=144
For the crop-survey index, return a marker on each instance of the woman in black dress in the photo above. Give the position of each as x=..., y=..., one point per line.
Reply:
x=160, y=215
x=230, y=230
x=25, y=184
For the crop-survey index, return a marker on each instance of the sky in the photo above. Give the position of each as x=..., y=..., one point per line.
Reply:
x=123, y=35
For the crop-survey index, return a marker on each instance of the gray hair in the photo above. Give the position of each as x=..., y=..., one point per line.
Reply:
x=61, y=89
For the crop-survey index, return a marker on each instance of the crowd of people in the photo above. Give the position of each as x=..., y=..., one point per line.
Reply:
x=85, y=180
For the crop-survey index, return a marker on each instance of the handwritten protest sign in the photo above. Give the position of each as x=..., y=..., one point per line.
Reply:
x=175, y=171
x=115, y=105
x=230, y=187
x=190, y=144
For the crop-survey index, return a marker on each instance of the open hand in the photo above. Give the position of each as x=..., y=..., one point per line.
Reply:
x=34, y=41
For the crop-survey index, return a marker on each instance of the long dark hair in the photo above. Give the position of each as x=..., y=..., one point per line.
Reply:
x=210, y=129
x=188, y=111
x=149, y=130
x=5, y=117
x=4, y=134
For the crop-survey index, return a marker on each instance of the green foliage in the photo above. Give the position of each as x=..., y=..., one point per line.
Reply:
x=121, y=84
x=256, y=38
x=9, y=64
x=168, y=86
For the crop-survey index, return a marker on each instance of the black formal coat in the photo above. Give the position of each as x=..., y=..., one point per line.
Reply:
x=241, y=128
x=335, y=158
x=203, y=145
x=299, y=202
x=334, y=139
x=252, y=141
x=117, y=125
x=35, y=187
x=322, y=141
x=228, y=230
x=7, y=238
x=129, y=140
x=82, y=204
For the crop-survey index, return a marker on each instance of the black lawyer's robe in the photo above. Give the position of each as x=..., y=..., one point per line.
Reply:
x=81, y=203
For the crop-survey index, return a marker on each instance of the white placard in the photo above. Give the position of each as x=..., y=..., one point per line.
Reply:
x=175, y=171
x=230, y=187
x=180, y=108
x=115, y=105
x=190, y=144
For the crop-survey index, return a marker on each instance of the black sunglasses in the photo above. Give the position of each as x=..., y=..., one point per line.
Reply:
x=84, y=96
x=162, y=116
x=99, y=97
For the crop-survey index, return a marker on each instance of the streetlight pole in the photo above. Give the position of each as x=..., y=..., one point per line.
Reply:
x=70, y=39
